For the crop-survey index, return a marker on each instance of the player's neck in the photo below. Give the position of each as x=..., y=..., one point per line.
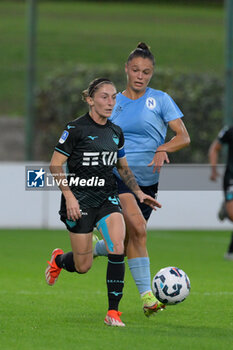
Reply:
x=132, y=94
x=98, y=118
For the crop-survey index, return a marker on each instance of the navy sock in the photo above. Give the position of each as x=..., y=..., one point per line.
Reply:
x=115, y=279
x=230, y=248
x=66, y=262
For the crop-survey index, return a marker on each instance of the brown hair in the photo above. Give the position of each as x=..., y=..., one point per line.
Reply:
x=94, y=86
x=142, y=50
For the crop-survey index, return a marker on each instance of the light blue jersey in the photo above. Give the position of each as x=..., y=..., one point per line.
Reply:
x=144, y=123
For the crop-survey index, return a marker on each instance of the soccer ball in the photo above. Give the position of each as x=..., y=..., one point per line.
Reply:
x=171, y=285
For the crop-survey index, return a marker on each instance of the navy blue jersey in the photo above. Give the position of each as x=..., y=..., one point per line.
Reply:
x=226, y=137
x=92, y=150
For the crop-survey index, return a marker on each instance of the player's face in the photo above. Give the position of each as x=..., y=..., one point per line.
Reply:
x=104, y=100
x=139, y=72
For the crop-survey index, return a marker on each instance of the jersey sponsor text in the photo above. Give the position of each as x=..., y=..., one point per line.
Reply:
x=93, y=158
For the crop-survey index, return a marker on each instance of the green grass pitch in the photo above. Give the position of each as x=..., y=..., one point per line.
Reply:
x=70, y=314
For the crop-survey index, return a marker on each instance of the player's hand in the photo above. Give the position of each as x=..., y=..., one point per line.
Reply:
x=158, y=161
x=72, y=208
x=214, y=175
x=148, y=200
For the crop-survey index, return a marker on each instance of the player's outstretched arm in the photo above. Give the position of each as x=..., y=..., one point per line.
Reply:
x=130, y=181
x=181, y=138
x=179, y=141
x=213, y=152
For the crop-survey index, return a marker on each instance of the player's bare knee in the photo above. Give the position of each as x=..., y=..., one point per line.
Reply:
x=138, y=235
x=139, y=227
x=118, y=248
x=82, y=268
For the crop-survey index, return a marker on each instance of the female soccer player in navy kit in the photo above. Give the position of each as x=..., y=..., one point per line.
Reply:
x=92, y=145
x=143, y=114
x=225, y=137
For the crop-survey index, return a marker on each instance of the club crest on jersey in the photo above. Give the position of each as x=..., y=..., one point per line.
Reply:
x=64, y=136
x=150, y=103
x=115, y=139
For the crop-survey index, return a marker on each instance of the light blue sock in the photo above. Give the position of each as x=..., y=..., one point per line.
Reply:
x=100, y=248
x=140, y=270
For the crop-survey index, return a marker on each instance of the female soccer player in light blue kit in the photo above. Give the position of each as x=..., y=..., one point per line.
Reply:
x=143, y=114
